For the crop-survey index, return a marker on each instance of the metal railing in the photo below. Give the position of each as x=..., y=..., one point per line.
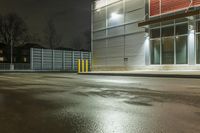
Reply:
x=17, y=66
x=51, y=60
x=4, y=66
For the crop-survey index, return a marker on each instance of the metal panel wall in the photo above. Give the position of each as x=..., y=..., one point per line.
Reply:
x=36, y=59
x=58, y=60
x=48, y=59
x=68, y=61
x=121, y=41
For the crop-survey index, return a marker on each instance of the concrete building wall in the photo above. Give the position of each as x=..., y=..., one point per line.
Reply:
x=118, y=42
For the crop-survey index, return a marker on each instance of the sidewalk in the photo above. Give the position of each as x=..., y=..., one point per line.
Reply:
x=161, y=74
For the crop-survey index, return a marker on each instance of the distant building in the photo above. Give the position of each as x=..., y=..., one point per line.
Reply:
x=21, y=54
x=146, y=34
x=4, y=53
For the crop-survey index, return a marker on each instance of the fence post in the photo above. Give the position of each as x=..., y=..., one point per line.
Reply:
x=31, y=59
x=53, y=58
x=86, y=66
x=63, y=60
x=79, y=65
x=73, y=61
x=83, y=65
x=42, y=62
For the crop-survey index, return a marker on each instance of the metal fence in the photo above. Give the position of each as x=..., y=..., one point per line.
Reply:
x=4, y=66
x=17, y=66
x=59, y=60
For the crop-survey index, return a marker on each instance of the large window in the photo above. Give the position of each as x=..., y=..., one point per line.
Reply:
x=181, y=50
x=181, y=44
x=155, y=51
x=168, y=50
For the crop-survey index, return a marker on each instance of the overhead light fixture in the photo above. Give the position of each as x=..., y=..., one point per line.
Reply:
x=190, y=27
x=146, y=35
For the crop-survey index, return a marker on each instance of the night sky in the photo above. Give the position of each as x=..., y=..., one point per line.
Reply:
x=71, y=17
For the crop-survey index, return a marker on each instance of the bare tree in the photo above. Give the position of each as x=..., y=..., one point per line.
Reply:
x=12, y=29
x=52, y=38
x=83, y=41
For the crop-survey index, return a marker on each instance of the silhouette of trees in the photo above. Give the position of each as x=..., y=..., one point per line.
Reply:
x=12, y=29
x=52, y=38
x=83, y=41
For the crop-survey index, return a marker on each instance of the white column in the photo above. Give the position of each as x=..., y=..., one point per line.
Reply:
x=147, y=49
x=191, y=45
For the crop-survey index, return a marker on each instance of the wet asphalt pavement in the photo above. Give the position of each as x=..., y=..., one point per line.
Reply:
x=70, y=103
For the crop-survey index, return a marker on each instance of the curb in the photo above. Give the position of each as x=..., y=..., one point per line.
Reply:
x=145, y=75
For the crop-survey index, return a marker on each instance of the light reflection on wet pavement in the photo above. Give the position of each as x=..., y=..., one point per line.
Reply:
x=68, y=103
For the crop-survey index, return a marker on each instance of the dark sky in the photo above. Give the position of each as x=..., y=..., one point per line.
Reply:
x=72, y=17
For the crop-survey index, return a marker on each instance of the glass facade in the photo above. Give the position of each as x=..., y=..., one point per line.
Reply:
x=169, y=43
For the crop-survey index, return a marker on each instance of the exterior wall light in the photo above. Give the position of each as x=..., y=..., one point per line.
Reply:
x=190, y=27
x=146, y=35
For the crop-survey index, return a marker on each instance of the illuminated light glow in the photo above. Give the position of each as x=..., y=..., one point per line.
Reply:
x=98, y=10
x=191, y=33
x=147, y=49
x=102, y=3
x=111, y=1
x=191, y=48
x=114, y=81
x=115, y=16
x=191, y=27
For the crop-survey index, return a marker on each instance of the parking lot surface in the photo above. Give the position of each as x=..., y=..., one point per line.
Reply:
x=70, y=103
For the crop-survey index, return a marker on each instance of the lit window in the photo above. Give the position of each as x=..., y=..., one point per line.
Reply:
x=1, y=59
x=25, y=59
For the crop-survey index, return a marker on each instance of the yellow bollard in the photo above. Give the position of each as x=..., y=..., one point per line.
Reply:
x=79, y=66
x=83, y=66
x=86, y=69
